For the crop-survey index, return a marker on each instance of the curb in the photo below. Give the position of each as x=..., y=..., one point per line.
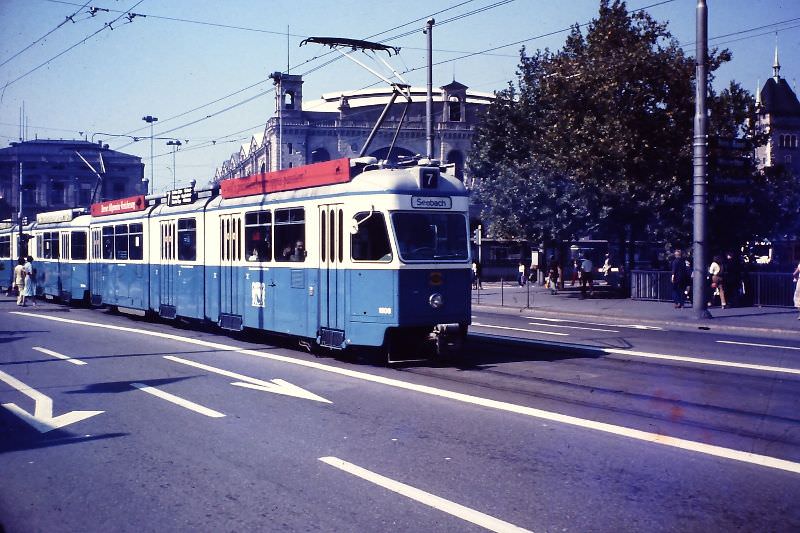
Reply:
x=708, y=325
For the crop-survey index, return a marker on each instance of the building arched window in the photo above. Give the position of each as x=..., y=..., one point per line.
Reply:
x=454, y=109
x=288, y=100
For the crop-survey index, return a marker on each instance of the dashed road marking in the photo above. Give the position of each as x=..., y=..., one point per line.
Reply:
x=507, y=328
x=761, y=345
x=59, y=356
x=465, y=513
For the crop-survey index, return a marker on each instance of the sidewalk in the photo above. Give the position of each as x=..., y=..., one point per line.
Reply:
x=535, y=300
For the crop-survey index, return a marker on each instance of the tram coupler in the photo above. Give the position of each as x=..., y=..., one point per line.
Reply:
x=447, y=338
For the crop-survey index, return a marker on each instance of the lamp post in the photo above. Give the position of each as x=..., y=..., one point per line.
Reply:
x=150, y=120
x=175, y=144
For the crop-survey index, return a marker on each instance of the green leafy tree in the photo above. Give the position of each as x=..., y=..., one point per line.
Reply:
x=604, y=125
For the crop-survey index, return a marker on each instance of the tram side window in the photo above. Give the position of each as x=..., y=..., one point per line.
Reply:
x=78, y=245
x=371, y=241
x=135, y=242
x=187, y=239
x=5, y=247
x=108, y=242
x=49, y=241
x=121, y=242
x=258, y=236
x=290, y=234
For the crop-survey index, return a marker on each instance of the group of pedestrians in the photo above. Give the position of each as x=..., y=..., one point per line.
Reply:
x=725, y=278
x=25, y=281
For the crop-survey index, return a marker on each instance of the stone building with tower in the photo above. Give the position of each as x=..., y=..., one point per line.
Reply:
x=54, y=175
x=338, y=124
x=778, y=112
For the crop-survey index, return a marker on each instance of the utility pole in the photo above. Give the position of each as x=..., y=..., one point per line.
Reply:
x=19, y=213
x=429, y=100
x=174, y=144
x=700, y=145
x=150, y=120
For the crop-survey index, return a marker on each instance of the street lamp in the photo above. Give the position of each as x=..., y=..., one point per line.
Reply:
x=150, y=119
x=175, y=144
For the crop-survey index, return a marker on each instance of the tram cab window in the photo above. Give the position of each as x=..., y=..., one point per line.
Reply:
x=290, y=234
x=370, y=242
x=431, y=236
x=135, y=242
x=121, y=242
x=108, y=242
x=5, y=247
x=78, y=245
x=49, y=250
x=187, y=239
x=258, y=236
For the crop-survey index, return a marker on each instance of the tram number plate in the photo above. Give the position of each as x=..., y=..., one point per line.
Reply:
x=431, y=202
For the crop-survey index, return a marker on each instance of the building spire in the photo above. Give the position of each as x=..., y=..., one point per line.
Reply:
x=776, y=65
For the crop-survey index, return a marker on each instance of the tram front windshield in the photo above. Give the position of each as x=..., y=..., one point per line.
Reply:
x=431, y=236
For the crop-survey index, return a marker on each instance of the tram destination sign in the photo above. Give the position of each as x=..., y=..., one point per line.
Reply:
x=313, y=175
x=182, y=196
x=119, y=206
x=431, y=202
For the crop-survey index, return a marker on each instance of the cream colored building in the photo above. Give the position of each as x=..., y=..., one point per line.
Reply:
x=337, y=125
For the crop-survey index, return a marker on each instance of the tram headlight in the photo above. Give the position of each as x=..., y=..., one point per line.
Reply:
x=436, y=300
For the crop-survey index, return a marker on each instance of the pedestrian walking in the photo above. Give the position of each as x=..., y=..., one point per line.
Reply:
x=553, y=274
x=679, y=279
x=796, y=277
x=715, y=270
x=521, y=279
x=29, y=288
x=19, y=279
x=586, y=275
x=576, y=267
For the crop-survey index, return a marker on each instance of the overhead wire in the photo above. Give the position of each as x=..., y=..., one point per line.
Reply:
x=82, y=41
x=43, y=37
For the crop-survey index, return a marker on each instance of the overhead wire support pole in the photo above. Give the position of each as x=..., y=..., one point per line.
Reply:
x=429, y=100
x=700, y=145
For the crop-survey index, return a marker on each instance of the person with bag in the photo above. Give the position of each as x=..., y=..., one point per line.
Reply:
x=29, y=288
x=717, y=281
x=19, y=279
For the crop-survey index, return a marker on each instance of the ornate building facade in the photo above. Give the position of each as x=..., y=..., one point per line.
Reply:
x=338, y=125
x=779, y=112
x=55, y=176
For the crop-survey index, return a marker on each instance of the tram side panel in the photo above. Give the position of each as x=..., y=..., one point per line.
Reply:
x=177, y=253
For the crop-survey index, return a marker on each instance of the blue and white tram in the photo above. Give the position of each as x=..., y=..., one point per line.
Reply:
x=59, y=245
x=372, y=258
x=12, y=247
x=120, y=271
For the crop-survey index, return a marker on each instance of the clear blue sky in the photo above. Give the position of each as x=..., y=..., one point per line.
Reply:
x=188, y=53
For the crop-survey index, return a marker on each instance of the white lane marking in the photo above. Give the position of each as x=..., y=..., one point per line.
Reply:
x=645, y=436
x=761, y=345
x=698, y=360
x=459, y=511
x=42, y=418
x=177, y=400
x=520, y=329
x=60, y=356
x=572, y=327
x=631, y=326
x=277, y=386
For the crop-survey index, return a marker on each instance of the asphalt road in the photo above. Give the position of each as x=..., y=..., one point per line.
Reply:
x=170, y=429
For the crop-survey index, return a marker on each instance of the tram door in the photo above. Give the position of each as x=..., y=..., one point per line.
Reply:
x=64, y=268
x=231, y=297
x=166, y=271
x=97, y=279
x=331, y=276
